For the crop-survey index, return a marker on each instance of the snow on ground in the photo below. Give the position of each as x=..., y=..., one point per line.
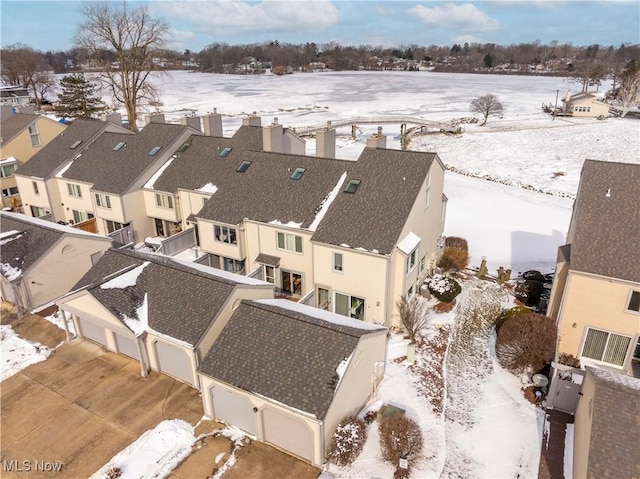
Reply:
x=18, y=353
x=568, y=451
x=154, y=454
x=56, y=318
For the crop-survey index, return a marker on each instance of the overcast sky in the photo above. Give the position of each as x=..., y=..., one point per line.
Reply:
x=50, y=25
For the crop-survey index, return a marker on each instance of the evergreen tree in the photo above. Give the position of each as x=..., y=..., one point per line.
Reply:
x=77, y=98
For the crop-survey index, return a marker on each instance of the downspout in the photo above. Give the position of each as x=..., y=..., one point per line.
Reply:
x=64, y=322
x=142, y=354
x=387, y=320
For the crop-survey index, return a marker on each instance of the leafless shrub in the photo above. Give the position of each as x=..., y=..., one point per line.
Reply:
x=454, y=259
x=412, y=316
x=400, y=437
x=569, y=360
x=526, y=342
x=456, y=242
x=428, y=369
x=370, y=416
x=114, y=472
x=347, y=441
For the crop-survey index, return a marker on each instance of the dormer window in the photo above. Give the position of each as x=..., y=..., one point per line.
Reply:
x=243, y=166
x=352, y=186
x=298, y=173
x=224, y=152
x=76, y=144
x=119, y=146
x=154, y=151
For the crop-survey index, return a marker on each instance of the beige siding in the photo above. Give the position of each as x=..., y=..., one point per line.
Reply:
x=598, y=302
x=363, y=275
x=313, y=424
x=29, y=196
x=83, y=203
x=55, y=273
x=596, y=108
x=135, y=213
x=557, y=290
x=211, y=245
x=20, y=146
x=190, y=203
x=115, y=213
x=358, y=381
x=582, y=428
x=155, y=211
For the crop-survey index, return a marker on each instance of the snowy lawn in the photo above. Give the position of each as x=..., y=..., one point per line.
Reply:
x=18, y=353
x=474, y=418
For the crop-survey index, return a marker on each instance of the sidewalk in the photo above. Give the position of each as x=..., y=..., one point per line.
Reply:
x=553, y=440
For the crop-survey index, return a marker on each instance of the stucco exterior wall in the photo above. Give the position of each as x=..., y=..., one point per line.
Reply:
x=596, y=108
x=155, y=211
x=115, y=213
x=70, y=203
x=363, y=275
x=136, y=214
x=29, y=197
x=20, y=146
x=598, y=302
x=190, y=203
x=55, y=273
x=582, y=428
x=208, y=243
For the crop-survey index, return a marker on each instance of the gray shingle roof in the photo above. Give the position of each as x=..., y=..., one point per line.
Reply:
x=268, y=259
x=115, y=171
x=607, y=221
x=282, y=354
x=14, y=124
x=54, y=154
x=373, y=217
x=182, y=300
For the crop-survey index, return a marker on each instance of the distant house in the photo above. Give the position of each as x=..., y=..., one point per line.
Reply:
x=288, y=373
x=24, y=134
x=14, y=96
x=584, y=105
x=595, y=297
x=164, y=313
x=41, y=261
x=606, y=432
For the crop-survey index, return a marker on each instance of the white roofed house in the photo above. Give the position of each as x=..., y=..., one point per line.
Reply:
x=584, y=104
x=41, y=261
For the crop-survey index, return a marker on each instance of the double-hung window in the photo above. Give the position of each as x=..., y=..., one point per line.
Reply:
x=289, y=242
x=164, y=201
x=605, y=346
x=337, y=262
x=35, y=136
x=103, y=201
x=225, y=234
x=411, y=261
x=74, y=190
x=7, y=170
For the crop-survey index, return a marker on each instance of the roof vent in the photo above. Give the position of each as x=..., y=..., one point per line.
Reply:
x=608, y=193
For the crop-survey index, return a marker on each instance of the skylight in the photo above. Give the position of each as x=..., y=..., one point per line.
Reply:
x=184, y=146
x=352, y=186
x=224, y=152
x=243, y=166
x=154, y=151
x=75, y=144
x=119, y=146
x=298, y=173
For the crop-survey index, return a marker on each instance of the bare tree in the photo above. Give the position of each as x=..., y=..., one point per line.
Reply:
x=629, y=92
x=412, y=317
x=23, y=66
x=133, y=35
x=487, y=105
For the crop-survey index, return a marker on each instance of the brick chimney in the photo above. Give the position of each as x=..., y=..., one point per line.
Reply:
x=377, y=140
x=212, y=124
x=326, y=142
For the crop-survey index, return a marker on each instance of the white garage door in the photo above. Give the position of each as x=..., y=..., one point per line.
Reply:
x=173, y=360
x=127, y=346
x=287, y=432
x=234, y=409
x=93, y=331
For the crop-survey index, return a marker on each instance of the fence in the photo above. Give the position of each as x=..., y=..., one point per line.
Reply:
x=122, y=237
x=179, y=242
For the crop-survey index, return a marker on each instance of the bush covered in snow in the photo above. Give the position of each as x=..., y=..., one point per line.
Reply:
x=347, y=441
x=510, y=313
x=444, y=288
x=400, y=437
x=527, y=342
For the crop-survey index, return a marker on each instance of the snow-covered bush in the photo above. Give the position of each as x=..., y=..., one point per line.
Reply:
x=527, y=342
x=454, y=259
x=347, y=441
x=510, y=313
x=444, y=288
x=400, y=437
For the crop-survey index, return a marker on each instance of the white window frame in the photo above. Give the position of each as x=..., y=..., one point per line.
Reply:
x=338, y=268
x=12, y=166
x=74, y=190
x=223, y=234
x=608, y=342
x=6, y=192
x=349, y=302
x=411, y=261
x=235, y=262
x=427, y=190
x=289, y=242
x=269, y=278
x=35, y=136
x=103, y=201
x=36, y=190
x=628, y=303
x=164, y=201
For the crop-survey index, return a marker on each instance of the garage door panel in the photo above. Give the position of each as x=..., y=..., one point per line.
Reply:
x=174, y=361
x=127, y=346
x=93, y=331
x=234, y=409
x=284, y=430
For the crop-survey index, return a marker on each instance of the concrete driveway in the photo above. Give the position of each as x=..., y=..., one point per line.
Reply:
x=82, y=406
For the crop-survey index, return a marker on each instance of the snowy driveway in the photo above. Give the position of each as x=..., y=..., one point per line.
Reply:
x=81, y=407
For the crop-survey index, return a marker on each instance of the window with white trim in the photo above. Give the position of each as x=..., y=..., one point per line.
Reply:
x=81, y=216
x=233, y=265
x=7, y=170
x=11, y=191
x=224, y=234
x=604, y=346
x=103, y=201
x=291, y=282
x=411, y=261
x=289, y=242
x=269, y=274
x=350, y=306
x=35, y=136
x=74, y=190
x=164, y=201
x=633, y=303
x=426, y=190
x=337, y=262
x=35, y=188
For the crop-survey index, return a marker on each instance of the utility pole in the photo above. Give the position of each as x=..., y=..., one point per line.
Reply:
x=555, y=108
